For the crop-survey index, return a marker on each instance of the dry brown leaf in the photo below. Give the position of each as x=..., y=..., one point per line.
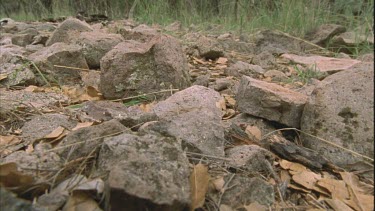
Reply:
x=284, y=176
x=11, y=177
x=338, y=205
x=306, y=178
x=253, y=131
x=55, y=133
x=337, y=188
x=147, y=107
x=219, y=184
x=82, y=125
x=294, y=168
x=199, y=180
x=200, y=61
x=93, y=92
x=255, y=206
x=229, y=113
x=230, y=100
x=80, y=201
x=7, y=140
x=221, y=60
x=29, y=149
x=299, y=188
x=3, y=76
x=353, y=181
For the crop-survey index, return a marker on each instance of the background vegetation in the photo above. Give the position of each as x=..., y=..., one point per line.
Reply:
x=296, y=17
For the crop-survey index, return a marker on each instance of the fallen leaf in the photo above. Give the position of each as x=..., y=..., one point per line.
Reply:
x=230, y=100
x=352, y=180
x=299, y=188
x=253, y=132
x=7, y=140
x=93, y=92
x=3, y=76
x=221, y=60
x=219, y=184
x=81, y=201
x=293, y=168
x=307, y=179
x=29, y=149
x=11, y=177
x=337, y=188
x=147, y=107
x=255, y=206
x=338, y=205
x=82, y=125
x=229, y=113
x=55, y=133
x=199, y=180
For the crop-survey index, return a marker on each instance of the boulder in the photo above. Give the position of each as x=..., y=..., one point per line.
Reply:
x=146, y=172
x=322, y=34
x=96, y=44
x=192, y=115
x=67, y=30
x=341, y=110
x=270, y=101
x=63, y=55
x=134, y=68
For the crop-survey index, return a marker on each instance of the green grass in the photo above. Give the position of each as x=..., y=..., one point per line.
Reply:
x=304, y=75
x=296, y=17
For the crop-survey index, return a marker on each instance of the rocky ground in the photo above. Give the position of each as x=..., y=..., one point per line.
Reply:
x=123, y=116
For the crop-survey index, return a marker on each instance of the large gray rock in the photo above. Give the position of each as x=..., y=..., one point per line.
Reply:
x=63, y=55
x=246, y=190
x=270, y=101
x=341, y=110
x=70, y=28
x=193, y=116
x=146, y=172
x=96, y=44
x=134, y=68
x=82, y=142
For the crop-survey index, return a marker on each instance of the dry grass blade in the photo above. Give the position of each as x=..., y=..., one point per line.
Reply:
x=199, y=181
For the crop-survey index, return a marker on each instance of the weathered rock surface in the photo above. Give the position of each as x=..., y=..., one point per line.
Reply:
x=251, y=158
x=270, y=101
x=86, y=141
x=42, y=125
x=242, y=68
x=247, y=190
x=96, y=44
x=324, y=33
x=63, y=55
x=155, y=168
x=9, y=201
x=134, y=68
x=205, y=47
x=141, y=33
x=341, y=110
x=67, y=30
x=38, y=163
x=193, y=116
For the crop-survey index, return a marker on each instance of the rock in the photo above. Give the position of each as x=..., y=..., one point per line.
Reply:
x=242, y=68
x=10, y=202
x=275, y=75
x=209, y=48
x=86, y=141
x=265, y=60
x=251, y=158
x=96, y=44
x=33, y=48
x=202, y=80
x=15, y=66
x=369, y=57
x=193, y=116
x=63, y=55
x=224, y=36
x=42, y=125
x=40, y=39
x=247, y=190
x=156, y=171
x=128, y=116
x=133, y=68
x=345, y=42
x=22, y=39
x=221, y=84
x=324, y=33
x=341, y=111
x=39, y=163
x=67, y=30
x=270, y=101
x=141, y=33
